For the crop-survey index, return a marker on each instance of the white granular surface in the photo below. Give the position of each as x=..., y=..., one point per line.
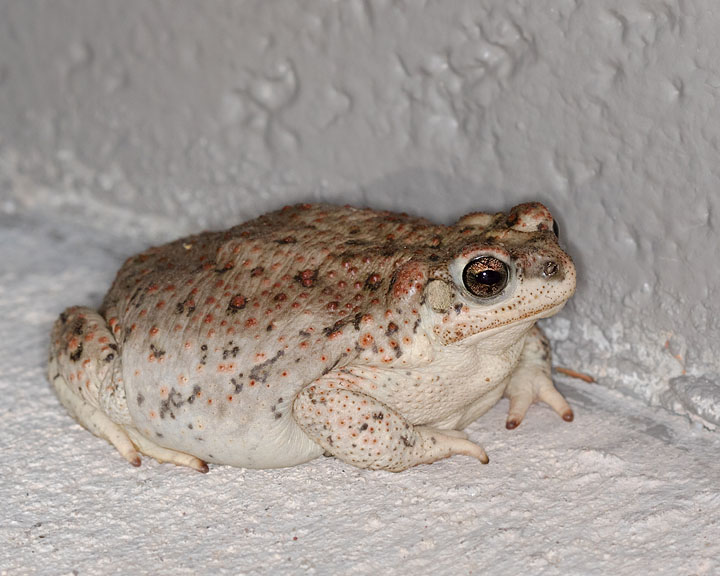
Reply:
x=126, y=123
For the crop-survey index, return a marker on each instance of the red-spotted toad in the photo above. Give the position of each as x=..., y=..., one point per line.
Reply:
x=372, y=336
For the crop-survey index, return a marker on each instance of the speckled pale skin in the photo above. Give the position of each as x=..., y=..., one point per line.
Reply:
x=316, y=329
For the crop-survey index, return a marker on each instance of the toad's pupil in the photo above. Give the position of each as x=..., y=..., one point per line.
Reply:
x=488, y=277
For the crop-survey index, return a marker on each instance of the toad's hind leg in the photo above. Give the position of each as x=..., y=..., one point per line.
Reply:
x=85, y=371
x=82, y=355
x=362, y=431
x=161, y=454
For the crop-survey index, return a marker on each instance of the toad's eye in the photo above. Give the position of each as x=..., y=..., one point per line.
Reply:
x=485, y=277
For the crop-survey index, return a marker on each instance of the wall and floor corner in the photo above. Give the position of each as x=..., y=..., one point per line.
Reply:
x=138, y=122
x=605, y=111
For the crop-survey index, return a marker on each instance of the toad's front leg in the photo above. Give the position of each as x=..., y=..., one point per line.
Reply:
x=531, y=381
x=364, y=432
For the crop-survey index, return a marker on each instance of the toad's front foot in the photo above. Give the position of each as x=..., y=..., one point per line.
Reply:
x=531, y=382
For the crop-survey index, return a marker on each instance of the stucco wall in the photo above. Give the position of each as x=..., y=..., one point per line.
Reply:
x=167, y=117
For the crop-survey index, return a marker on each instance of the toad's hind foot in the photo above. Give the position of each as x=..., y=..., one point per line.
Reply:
x=84, y=370
x=92, y=418
x=161, y=454
x=127, y=441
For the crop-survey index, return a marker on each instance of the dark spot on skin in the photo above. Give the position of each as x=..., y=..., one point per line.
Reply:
x=186, y=305
x=158, y=434
x=338, y=326
x=304, y=333
x=63, y=318
x=330, y=440
x=407, y=442
x=195, y=393
x=307, y=277
x=237, y=386
x=231, y=352
x=355, y=242
x=229, y=266
x=278, y=415
x=174, y=400
x=373, y=282
x=113, y=347
x=190, y=426
x=75, y=356
x=389, y=249
x=391, y=329
x=378, y=416
x=138, y=292
x=237, y=303
x=415, y=326
x=393, y=279
x=334, y=329
x=156, y=352
x=257, y=271
x=433, y=258
x=110, y=357
x=458, y=308
x=269, y=328
x=287, y=240
x=77, y=327
x=260, y=372
x=364, y=427
x=140, y=399
x=203, y=347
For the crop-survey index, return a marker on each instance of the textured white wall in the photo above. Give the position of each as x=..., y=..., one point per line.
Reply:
x=165, y=117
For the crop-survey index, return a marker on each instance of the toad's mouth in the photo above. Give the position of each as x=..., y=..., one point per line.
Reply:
x=497, y=333
x=538, y=313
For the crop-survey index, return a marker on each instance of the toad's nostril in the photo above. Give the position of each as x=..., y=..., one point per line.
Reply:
x=550, y=268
